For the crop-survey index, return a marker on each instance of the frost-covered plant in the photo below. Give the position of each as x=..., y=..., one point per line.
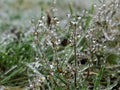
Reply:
x=104, y=31
x=81, y=54
x=89, y=37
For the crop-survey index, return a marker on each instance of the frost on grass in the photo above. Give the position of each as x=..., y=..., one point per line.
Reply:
x=83, y=53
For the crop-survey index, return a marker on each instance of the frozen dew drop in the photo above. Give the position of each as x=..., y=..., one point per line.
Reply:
x=94, y=5
x=79, y=17
x=104, y=5
x=79, y=36
x=68, y=15
x=104, y=47
x=36, y=58
x=40, y=23
x=66, y=55
x=31, y=85
x=43, y=17
x=87, y=36
x=74, y=23
x=51, y=66
x=80, y=27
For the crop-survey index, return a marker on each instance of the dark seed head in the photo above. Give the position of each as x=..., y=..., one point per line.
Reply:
x=65, y=42
x=84, y=61
x=48, y=19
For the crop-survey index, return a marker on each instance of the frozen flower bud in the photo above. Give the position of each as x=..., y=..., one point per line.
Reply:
x=41, y=79
x=35, y=33
x=55, y=21
x=74, y=23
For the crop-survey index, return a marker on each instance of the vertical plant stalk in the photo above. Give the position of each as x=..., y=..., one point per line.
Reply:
x=36, y=42
x=75, y=58
x=56, y=57
x=54, y=46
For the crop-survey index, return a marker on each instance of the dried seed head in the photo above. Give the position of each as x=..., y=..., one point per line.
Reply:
x=83, y=61
x=48, y=19
x=65, y=42
x=59, y=70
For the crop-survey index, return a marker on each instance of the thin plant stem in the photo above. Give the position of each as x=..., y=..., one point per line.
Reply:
x=75, y=74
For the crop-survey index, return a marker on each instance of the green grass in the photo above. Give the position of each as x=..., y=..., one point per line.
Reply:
x=76, y=56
